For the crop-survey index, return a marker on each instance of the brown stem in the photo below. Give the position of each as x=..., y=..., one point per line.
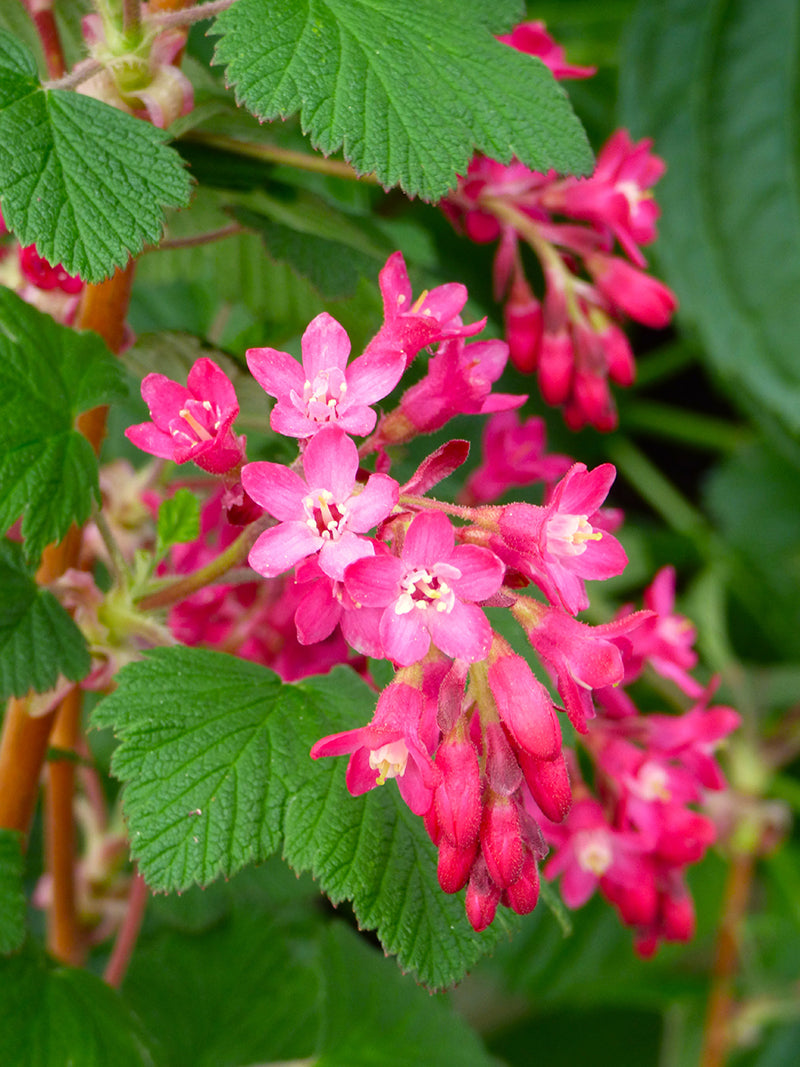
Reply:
x=22, y=751
x=128, y=933
x=24, y=740
x=716, y=1039
x=65, y=938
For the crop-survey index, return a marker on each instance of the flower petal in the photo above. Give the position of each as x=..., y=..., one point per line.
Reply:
x=275, y=487
x=325, y=345
x=278, y=549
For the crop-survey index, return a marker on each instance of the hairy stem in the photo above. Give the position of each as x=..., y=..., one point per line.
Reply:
x=274, y=154
x=128, y=933
x=76, y=76
x=65, y=938
x=177, y=14
x=22, y=751
x=179, y=588
x=199, y=238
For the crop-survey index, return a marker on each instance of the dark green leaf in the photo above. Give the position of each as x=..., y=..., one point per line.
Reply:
x=62, y=1016
x=12, y=896
x=38, y=639
x=84, y=182
x=715, y=86
x=214, y=757
x=178, y=521
x=319, y=244
x=277, y=983
x=409, y=89
x=48, y=375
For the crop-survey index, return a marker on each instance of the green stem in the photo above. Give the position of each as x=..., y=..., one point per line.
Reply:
x=678, y=424
x=175, y=589
x=659, y=493
x=283, y=156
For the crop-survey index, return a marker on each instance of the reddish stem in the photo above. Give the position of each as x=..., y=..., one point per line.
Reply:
x=716, y=1040
x=65, y=938
x=24, y=740
x=45, y=23
x=128, y=933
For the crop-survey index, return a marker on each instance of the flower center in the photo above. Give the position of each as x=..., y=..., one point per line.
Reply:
x=202, y=420
x=653, y=783
x=567, y=535
x=389, y=760
x=324, y=516
x=593, y=851
x=322, y=397
x=425, y=589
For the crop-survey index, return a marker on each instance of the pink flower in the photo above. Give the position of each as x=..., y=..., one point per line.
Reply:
x=411, y=325
x=321, y=513
x=533, y=39
x=628, y=289
x=564, y=542
x=616, y=197
x=459, y=382
x=38, y=272
x=391, y=746
x=325, y=390
x=428, y=594
x=193, y=421
x=513, y=454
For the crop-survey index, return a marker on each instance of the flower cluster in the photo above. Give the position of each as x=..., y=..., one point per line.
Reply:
x=576, y=227
x=351, y=563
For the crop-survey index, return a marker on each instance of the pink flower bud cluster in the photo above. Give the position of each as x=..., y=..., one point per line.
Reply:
x=350, y=559
x=572, y=337
x=48, y=288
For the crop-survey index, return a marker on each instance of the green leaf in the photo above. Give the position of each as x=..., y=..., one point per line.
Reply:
x=319, y=243
x=281, y=984
x=64, y=1016
x=84, y=182
x=214, y=760
x=48, y=375
x=38, y=639
x=12, y=896
x=409, y=89
x=178, y=521
x=715, y=85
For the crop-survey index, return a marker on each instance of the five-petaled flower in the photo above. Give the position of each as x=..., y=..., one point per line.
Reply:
x=192, y=421
x=321, y=513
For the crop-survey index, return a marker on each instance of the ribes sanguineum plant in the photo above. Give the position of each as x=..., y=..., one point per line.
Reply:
x=276, y=564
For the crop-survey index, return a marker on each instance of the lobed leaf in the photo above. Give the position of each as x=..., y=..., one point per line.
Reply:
x=49, y=374
x=38, y=639
x=408, y=89
x=214, y=761
x=84, y=182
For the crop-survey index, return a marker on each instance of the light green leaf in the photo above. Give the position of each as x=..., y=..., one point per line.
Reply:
x=49, y=374
x=38, y=639
x=12, y=896
x=214, y=761
x=178, y=521
x=408, y=89
x=84, y=182
x=715, y=85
